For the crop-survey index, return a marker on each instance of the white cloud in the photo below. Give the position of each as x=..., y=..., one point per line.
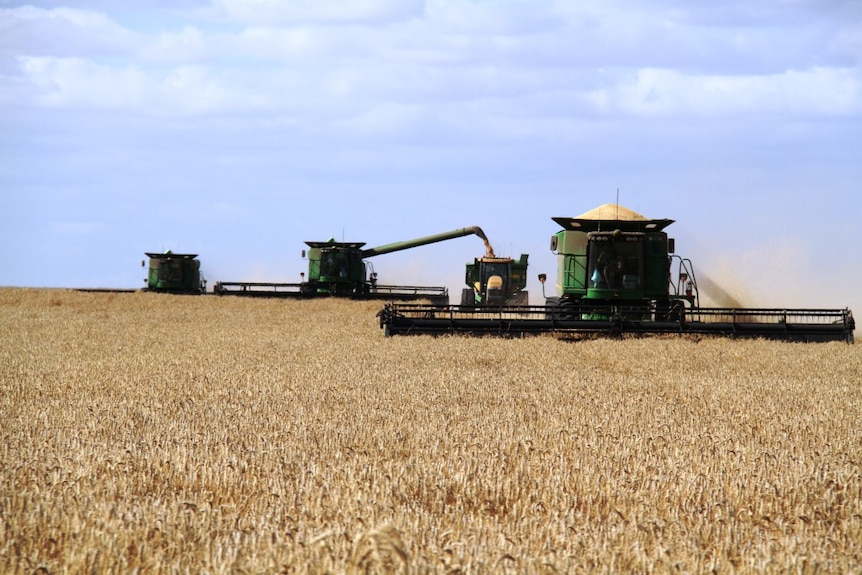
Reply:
x=61, y=32
x=75, y=82
x=285, y=44
x=188, y=45
x=196, y=89
x=555, y=59
x=514, y=17
x=385, y=119
x=656, y=92
x=846, y=45
x=273, y=12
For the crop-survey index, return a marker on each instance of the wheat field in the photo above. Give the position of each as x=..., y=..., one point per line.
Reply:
x=167, y=434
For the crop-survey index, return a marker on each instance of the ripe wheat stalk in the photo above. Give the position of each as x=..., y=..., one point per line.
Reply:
x=202, y=434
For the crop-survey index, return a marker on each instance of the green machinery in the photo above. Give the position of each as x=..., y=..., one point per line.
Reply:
x=494, y=280
x=617, y=273
x=174, y=273
x=615, y=256
x=340, y=269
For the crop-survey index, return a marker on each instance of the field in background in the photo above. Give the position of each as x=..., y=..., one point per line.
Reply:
x=206, y=434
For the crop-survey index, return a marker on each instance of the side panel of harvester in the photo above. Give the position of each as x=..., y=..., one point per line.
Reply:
x=571, y=249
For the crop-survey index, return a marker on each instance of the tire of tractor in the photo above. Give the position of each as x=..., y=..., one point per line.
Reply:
x=521, y=298
x=569, y=309
x=468, y=298
x=552, y=303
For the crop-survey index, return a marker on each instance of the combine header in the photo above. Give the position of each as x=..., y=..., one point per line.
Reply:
x=339, y=269
x=805, y=325
x=617, y=274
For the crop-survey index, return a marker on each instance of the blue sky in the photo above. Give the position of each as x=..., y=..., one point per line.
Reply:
x=238, y=129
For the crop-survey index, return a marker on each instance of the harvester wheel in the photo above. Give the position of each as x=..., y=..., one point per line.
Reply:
x=520, y=298
x=568, y=309
x=468, y=298
x=552, y=305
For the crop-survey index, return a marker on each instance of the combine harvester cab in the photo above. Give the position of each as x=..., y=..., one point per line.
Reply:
x=617, y=274
x=340, y=269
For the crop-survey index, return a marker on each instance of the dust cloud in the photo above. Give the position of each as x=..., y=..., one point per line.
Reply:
x=720, y=293
x=776, y=273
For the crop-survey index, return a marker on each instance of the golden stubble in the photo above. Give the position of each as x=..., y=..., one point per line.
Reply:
x=219, y=434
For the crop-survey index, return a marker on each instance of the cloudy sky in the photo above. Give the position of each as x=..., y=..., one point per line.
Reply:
x=238, y=129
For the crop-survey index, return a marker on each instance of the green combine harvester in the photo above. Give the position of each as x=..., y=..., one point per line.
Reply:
x=340, y=269
x=174, y=273
x=617, y=273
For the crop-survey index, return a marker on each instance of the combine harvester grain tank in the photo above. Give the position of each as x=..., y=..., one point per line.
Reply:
x=618, y=273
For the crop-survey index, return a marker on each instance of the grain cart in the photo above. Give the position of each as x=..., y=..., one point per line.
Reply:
x=494, y=280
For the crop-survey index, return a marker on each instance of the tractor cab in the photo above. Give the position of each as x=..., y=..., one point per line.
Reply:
x=495, y=281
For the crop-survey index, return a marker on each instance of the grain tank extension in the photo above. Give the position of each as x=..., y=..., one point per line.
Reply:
x=341, y=269
x=617, y=273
